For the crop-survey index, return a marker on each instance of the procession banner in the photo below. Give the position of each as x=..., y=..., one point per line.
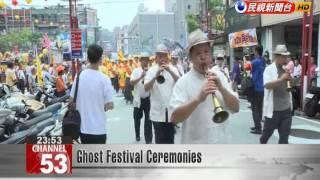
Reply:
x=243, y=38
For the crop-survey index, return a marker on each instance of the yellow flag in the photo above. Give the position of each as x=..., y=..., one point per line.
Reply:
x=120, y=56
x=39, y=73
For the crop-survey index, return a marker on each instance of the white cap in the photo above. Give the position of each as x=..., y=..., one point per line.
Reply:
x=220, y=55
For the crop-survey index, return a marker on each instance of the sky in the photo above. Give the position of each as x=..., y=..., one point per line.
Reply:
x=111, y=13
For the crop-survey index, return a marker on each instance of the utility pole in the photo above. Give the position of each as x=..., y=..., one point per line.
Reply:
x=307, y=22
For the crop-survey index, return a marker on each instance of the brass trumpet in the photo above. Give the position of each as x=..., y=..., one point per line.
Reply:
x=160, y=78
x=289, y=87
x=220, y=115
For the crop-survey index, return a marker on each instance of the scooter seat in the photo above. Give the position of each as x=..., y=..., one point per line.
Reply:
x=60, y=99
x=52, y=109
x=2, y=131
x=315, y=90
x=4, y=113
x=17, y=137
x=46, y=130
x=29, y=123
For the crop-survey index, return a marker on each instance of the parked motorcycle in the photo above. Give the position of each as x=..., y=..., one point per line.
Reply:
x=312, y=106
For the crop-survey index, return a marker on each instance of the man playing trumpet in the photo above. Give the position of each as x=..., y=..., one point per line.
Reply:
x=277, y=103
x=193, y=95
x=159, y=81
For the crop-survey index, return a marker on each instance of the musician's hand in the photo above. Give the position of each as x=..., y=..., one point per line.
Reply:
x=166, y=67
x=208, y=88
x=216, y=80
x=285, y=77
x=143, y=74
x=161, y=68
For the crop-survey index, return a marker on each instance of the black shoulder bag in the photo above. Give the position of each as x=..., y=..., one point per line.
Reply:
x=72, y=120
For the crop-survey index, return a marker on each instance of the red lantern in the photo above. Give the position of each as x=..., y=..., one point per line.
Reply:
x=15, y=2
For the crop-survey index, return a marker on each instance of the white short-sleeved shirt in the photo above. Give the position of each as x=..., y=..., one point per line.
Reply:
x=199, y=127
x=95, y=90
x=160, y=93
x=139, y=91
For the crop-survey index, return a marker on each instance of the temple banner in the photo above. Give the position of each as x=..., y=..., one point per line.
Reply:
x=243, y=38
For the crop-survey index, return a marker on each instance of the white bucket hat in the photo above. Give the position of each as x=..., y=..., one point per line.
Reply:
x=197, y=37
x=175, y=54
x=281, y=49
x=161, y=48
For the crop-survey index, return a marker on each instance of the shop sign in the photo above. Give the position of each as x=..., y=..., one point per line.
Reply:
x=243, y=38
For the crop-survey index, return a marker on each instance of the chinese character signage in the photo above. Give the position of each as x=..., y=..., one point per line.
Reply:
x=243, y=38
x=76, y=43
x=271, y=7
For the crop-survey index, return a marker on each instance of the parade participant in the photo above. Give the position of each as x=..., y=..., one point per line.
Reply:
x=236, y=74
x=175, y=61
x=258, y=66
x=220, y=66
x=11, y=78
x=136, y=61
x=311, y=72
x=116, y=77
x=141, y=101
x=122, y=76
x=277, y=102
x=65, y=76
x=32, y=85
x=47, y=78
x=159, y=81
x=103, y=68
x=94, y=98
x=21, y=78
x=191, y=103
x=51, y=70
x=60, y=86
x=128, y=87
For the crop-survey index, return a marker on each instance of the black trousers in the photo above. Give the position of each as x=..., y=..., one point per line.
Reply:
x=164, y=132
x=137, y=115
x=280, y=120
x=21, y=85
x=257, y=105
x=93, y=139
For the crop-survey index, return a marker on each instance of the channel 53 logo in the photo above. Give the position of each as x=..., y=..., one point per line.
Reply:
x=271, y=7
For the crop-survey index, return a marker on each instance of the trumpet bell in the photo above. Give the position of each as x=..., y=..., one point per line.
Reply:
x=160, y=79
x=220, y=115
x=289, y=87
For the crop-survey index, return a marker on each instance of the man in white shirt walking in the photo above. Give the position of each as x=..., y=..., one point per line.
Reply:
x=141, y=101
x=277, y=104
x=191, y=101
x=159, y=81
x=94, y=99
x=175, y=61
x=220, y=66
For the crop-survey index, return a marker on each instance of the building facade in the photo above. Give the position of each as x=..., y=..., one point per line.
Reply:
x=148, y=29
x=52, y=20
x=181, y=8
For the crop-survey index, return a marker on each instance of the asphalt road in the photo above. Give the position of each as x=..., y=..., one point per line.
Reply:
x=120, y=127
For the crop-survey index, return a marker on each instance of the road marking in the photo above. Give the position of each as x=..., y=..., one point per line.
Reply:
x=113, y=119
x=308, y=120
x=300, y=140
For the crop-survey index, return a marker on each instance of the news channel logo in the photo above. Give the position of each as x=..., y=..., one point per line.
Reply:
x=240, y=7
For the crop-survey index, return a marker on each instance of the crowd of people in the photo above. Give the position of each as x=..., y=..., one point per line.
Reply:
x=173, y=93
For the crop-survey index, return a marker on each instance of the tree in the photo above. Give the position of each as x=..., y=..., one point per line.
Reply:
x=217, y=9
x=24, y=38
x=193, y=23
